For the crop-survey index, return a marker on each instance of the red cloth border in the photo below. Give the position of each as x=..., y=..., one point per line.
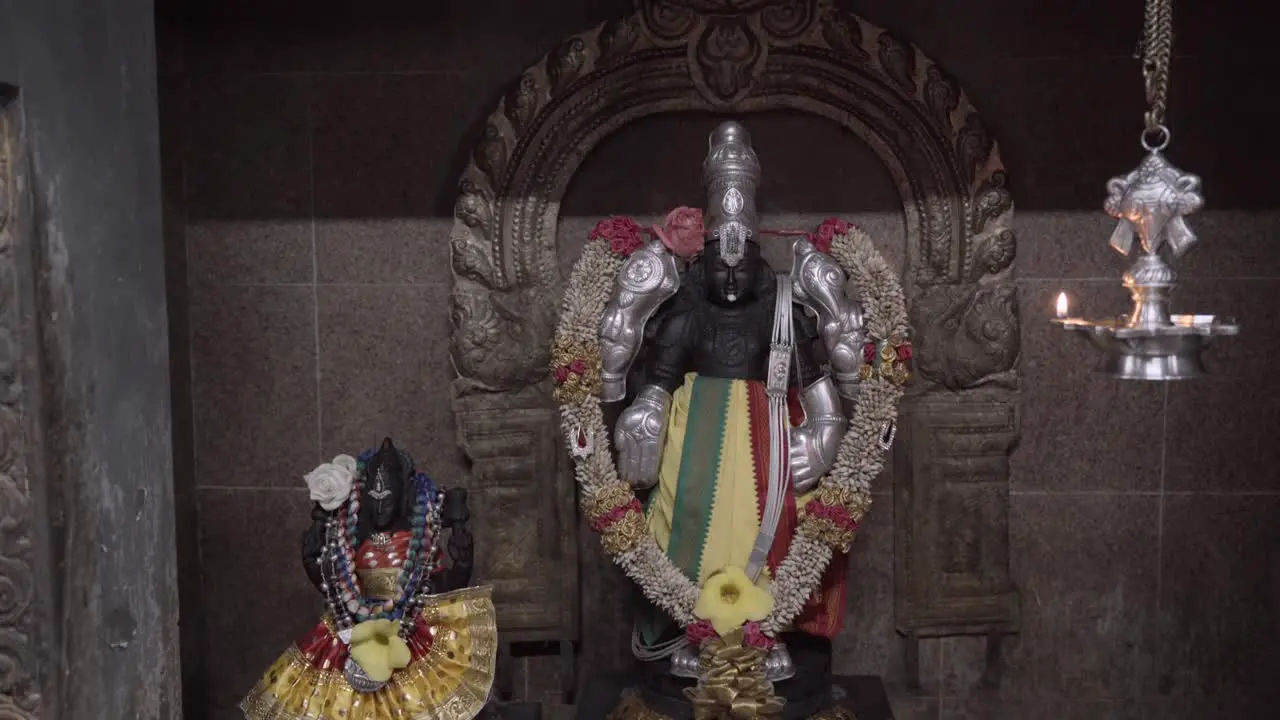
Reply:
x=823, y=613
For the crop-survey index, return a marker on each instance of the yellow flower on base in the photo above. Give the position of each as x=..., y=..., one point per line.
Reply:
x=378, y=650
x=729, y=600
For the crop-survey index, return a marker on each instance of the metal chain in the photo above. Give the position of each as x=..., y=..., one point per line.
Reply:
x=1156, y=49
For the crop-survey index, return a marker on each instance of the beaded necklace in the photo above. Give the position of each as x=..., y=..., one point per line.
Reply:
x=341, y=587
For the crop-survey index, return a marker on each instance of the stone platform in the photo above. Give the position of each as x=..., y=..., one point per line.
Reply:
x=861, y=696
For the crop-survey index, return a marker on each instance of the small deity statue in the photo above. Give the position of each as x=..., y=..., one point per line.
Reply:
x=726, y=415
x=402, y=636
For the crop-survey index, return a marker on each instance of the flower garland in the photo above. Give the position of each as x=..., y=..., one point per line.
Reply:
x=828, y=523
x=347, y=605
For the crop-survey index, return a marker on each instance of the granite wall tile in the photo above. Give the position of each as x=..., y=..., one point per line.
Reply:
x=384, y=370
x=1073, y=244
x=492, y=39
x=1065, y=126
x=1077, y=244
x=808, y=165
x=382, y=251
x=1233, y=244
x=247, y=152
x=1087, y=570
x=1220, y=598
x=1072, y=416
x=257, y=598
x=1220, y=433
x=391, y=146
x=1215, y=132
x=250, y=252
x=1009, y=29
x=254, y=393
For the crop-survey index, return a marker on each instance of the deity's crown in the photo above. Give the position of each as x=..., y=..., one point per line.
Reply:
x=730, y=173
x=730, y=157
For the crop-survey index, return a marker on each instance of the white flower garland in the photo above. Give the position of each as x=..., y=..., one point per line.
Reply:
x=611, y=504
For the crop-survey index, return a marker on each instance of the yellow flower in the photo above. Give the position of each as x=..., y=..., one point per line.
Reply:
x=378, y=650
x=729, y=600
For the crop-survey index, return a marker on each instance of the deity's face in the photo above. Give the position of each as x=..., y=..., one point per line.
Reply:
x=726, y=285
x=385, y=494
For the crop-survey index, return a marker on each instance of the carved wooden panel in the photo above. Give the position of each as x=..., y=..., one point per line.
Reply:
x=744, y=56
x=951, y=500
x=24, y=632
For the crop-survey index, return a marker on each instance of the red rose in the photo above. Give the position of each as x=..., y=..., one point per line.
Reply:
x=622, y=233
x=827, y=231
x=683, y=233
x=562, y=374
x=753, y=636
x=578, y=366
x=699, y=632
x=904, y=352
x=869, y=353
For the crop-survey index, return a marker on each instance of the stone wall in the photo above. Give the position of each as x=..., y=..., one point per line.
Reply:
x=310, y=161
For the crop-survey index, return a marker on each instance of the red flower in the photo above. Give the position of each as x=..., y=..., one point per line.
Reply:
x=683, y=233
x=699, y=632
x=836, y=514
x=753, y=636
x=603, y=522
x=904, y=352
x=622, y=233
x=578, y=366
x=562, y=374
x=869, y=353
x=827, y=231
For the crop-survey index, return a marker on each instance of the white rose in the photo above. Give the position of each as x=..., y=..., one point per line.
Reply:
x=330, y=484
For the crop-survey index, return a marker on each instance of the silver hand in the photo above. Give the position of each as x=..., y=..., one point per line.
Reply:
x=639, y=434
x=815, y=443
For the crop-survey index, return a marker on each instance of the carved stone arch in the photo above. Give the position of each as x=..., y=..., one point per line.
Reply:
x=743, y=56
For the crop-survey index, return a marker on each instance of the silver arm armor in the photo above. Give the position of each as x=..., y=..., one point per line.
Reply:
x=647, y=279
x=639, y=435
x=819, y=285
x=814, y=444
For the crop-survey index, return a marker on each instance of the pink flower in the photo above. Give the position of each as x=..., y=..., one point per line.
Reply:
x=827, y=231
x=622, y=233
x=753, y=636
x=578, y=366
x=699, y=632
x=683, y=233
x=562, y=374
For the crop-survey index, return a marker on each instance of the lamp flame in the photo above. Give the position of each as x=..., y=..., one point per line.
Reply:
x=1063, y=305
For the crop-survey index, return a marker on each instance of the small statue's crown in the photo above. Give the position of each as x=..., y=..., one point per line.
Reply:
x=730, y=156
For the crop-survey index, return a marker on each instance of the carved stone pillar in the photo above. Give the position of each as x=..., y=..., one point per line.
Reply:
x=744, y=56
